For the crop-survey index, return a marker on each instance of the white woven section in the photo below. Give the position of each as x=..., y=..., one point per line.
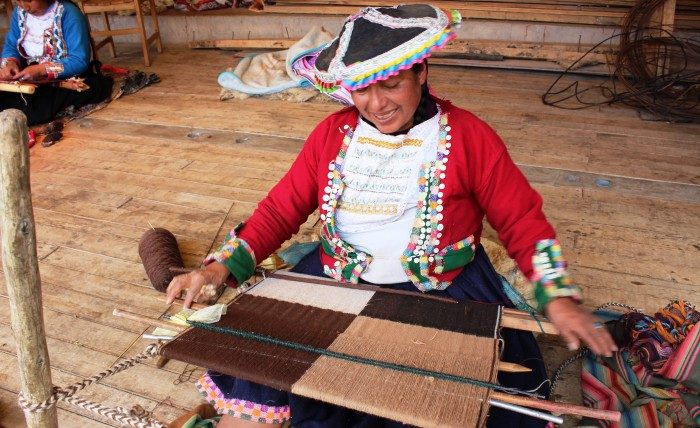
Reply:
x=338, y=299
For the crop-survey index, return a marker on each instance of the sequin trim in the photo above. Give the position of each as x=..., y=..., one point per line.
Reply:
x=242, y=409
x=349, y=263
x=550, y=276
x=423, y=248
x=423, y=245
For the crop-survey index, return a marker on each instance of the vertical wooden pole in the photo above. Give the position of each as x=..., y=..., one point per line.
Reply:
x=664, y=20
x=22, y=268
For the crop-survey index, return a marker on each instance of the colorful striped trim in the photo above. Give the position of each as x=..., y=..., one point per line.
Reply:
x=550, y=276
x=341, y=77
x=236, y=255
x=404, y=62
x=242, y=409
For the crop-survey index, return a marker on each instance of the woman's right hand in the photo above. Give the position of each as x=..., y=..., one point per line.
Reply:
x=214, y=273
x=9, y=71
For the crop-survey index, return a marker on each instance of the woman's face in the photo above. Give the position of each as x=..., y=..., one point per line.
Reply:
x=34, y=7
x=390, y=104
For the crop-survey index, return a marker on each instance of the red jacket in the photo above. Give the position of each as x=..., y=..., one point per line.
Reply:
x=478, y=179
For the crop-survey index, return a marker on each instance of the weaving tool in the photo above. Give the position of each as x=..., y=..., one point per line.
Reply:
x=417, y=360
x=17, y=87
x=29, y=87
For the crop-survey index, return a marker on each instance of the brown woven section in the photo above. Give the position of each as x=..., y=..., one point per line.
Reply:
x=409, y=398
x=255, y=361
x=159, y=252
x=479, y=319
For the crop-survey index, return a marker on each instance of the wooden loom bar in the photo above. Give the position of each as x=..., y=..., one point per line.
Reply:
x=557, y=408
x=21, y=88
x=21, y=268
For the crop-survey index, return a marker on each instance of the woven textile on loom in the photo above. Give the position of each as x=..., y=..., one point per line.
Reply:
x=393, y=329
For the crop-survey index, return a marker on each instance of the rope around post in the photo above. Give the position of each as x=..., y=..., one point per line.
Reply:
x=119, y=415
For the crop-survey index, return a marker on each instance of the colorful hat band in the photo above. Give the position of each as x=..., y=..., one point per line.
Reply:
x=433, y=32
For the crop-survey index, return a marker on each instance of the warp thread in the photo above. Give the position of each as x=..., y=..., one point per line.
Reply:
x=160, y=255
x=355, y=359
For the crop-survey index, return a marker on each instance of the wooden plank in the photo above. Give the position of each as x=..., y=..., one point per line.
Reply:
x=277, y=44
x=608, y=208
x=128, y=217
x=480, y=11
x=75, y=303
x=68, y=328
x=688, y=193
x=187, y=245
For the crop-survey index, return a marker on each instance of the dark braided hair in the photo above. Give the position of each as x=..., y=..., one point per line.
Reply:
x=427, y=107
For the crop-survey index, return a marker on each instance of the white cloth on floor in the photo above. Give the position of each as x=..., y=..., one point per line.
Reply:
x=271, y=72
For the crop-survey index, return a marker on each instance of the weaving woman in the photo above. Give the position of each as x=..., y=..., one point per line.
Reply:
x=403, y=181
x=48, y=42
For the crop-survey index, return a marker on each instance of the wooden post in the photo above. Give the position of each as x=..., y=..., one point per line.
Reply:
x=22, y=268
x=663, y=19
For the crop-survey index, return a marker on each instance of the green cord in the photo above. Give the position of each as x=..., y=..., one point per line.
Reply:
x=368, y=361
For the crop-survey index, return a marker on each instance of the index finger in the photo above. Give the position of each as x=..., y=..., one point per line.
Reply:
x=174, y=289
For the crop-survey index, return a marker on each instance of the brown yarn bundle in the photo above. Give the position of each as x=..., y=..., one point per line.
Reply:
x=160, y=256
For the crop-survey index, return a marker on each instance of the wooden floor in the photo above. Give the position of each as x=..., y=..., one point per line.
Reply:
x=175, y=156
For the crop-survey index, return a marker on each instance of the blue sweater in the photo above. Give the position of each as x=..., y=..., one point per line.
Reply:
x=70, y=40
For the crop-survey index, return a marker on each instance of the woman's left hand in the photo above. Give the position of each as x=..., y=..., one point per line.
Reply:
x=576, y=325
x=31, y=72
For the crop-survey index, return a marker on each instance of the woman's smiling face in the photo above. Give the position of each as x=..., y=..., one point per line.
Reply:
x=390, y=104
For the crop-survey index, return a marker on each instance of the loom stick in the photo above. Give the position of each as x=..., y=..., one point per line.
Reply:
x=504, y=366
x=519, y=320
x=557, y=408
x=527, y=411
x=21, y=88
x=158, y=323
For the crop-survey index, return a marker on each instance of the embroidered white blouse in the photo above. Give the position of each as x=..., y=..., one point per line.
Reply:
x=378, y=206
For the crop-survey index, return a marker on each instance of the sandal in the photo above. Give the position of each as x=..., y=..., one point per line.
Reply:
x=51, y=138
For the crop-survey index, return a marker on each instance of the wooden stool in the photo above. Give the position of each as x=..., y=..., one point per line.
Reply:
x=106, y=6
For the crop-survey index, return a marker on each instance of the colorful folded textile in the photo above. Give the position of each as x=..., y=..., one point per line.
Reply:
x=654, y=380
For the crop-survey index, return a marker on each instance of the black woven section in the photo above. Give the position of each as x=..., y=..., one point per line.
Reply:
x=478, y=319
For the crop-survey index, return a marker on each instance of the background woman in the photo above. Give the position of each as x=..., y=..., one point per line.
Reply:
x=48, y=40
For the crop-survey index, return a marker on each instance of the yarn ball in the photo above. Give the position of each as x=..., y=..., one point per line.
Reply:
x=159, y=253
